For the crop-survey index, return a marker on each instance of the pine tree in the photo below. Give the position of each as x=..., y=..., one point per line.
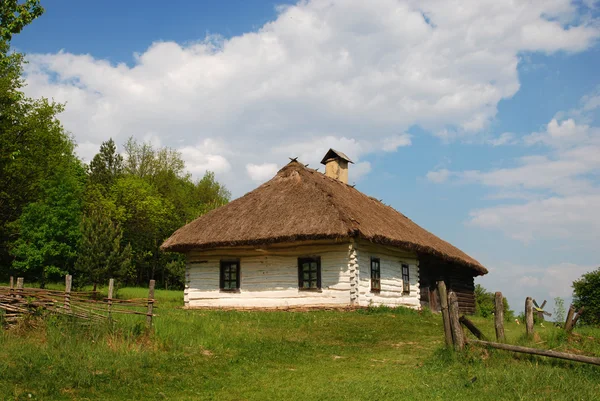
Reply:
x=107, y=165
x=101, y=253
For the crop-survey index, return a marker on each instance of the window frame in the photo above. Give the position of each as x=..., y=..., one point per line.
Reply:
x=301, y=281
x=223, y=263
x=375, y=288
x=405, y=279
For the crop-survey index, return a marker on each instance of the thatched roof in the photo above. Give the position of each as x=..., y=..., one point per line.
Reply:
x=300, y=203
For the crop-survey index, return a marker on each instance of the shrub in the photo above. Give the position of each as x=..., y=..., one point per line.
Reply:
x=587, y=294
x=485, y=304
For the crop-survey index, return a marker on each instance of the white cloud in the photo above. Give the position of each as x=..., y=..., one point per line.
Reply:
x=261, y=172
x=438, y=176
x=506, y=138
x=392, y=143
x=542, y=282
x=359, y=170
x=207, y=155
x=560, y=187
x=571, y=217
x=354, y=70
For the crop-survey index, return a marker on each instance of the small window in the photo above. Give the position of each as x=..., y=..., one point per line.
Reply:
x=375, y=275
x=405, y=279
x=230, y=275
x=309, y=273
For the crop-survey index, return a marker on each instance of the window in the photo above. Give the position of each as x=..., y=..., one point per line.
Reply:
x=375, y=275
x=405, y=279
x=230, y=275
x=309, y=273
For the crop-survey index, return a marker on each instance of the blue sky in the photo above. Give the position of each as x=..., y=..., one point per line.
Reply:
x=478, y=120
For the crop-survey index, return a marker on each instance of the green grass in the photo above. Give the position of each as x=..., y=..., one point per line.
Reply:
x=321, y=355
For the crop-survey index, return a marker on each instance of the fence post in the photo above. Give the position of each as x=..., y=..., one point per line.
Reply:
x=569, y=320
x=441, y=285
x=499, y=316
x=12, y=287
x=20, y=287
x=68, y=282
x=529, y=316
x=111, y=286
x=150, y=303
x=457, y=333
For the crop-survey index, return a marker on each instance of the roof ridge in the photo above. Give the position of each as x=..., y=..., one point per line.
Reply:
x=344, y=217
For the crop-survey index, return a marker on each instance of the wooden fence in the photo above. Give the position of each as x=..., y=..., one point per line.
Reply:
x=17, y=302
x=456, y=338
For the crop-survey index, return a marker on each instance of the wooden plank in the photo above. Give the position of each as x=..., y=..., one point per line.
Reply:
x=536, y=351
x=499, y=316
x=150, y=303
x=472, y=328
x=68, y=283
x=20, y=283
x=529, y=316
x=575, y=319
x=445, y=313
x=111, y=287
x=457, y=334
x=569, y=321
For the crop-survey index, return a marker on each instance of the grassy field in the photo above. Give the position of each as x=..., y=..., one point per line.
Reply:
x=321, y=355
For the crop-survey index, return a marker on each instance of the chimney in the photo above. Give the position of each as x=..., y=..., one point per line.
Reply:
x=336, y=165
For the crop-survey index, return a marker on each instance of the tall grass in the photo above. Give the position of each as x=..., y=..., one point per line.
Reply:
x=377, y=353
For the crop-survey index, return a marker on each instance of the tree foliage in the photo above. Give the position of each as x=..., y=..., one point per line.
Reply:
x=108, y=219
x=485, y=304
x=48, y=229
x=101, y=253
x=586, y=293
x=107, y=166
x=14, y=16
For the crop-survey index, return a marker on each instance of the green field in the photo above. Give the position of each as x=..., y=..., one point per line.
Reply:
x=376, y=354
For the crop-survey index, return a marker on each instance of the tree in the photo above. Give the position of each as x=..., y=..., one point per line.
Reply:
x=33, y=144
x=485, y=304
x=101, y=253
x=106, y=166
x=147, y=219
x=14, y=16
x=48, y=229
x=586, y=293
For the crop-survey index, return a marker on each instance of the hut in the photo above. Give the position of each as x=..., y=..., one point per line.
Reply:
x=308, y=239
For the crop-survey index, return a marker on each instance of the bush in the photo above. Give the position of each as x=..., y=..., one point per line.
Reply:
x=485, y=304
x=587, y=294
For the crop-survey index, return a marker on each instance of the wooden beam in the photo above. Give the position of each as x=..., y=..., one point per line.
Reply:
x=529, y=316
x=542, y=352
x=499, y=316
x=441, y=285
x=575, y=319
x=569, y=321
x=472, y=328
x=150, y=303
x=111, y=287
x=457, y=333
x=68, y=283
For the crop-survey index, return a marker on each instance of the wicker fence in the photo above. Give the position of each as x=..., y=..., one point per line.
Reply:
x=17, y=302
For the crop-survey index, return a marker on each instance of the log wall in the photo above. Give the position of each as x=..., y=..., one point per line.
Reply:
x=391, y=260
x=457, y=278
x=269, y=277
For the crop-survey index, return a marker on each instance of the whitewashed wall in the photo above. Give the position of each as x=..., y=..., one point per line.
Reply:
x=391, y=261
x=269, y=277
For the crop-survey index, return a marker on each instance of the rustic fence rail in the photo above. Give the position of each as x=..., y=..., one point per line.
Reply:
x=455, y=333
x=19, y=302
